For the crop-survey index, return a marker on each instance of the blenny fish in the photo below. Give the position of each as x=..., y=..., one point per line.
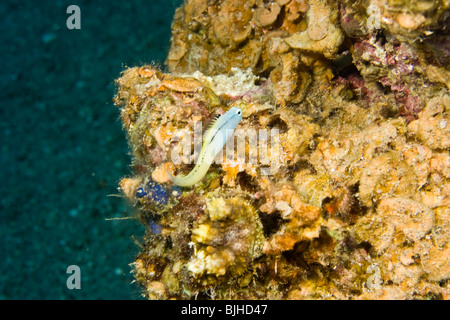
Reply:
x=215, y=137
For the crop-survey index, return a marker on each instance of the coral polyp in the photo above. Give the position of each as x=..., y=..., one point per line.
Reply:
x=226, y=240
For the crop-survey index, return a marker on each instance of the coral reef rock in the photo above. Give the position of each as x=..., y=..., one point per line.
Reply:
x=336, y=183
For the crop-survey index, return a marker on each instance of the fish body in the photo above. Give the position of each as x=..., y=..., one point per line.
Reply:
x=215, y=137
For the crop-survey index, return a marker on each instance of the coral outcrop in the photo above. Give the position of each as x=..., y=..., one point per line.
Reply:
x=337, y=182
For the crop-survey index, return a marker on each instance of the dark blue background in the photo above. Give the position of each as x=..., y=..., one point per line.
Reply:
x=63, y=150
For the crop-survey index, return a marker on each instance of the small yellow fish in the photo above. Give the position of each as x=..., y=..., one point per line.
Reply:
x=216, y=136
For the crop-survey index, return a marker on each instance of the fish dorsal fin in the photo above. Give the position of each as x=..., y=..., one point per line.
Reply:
x=210, y=131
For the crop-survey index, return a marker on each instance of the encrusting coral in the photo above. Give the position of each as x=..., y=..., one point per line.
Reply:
x=337, y=182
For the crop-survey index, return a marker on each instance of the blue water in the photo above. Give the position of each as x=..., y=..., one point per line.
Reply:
x=63, y=150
